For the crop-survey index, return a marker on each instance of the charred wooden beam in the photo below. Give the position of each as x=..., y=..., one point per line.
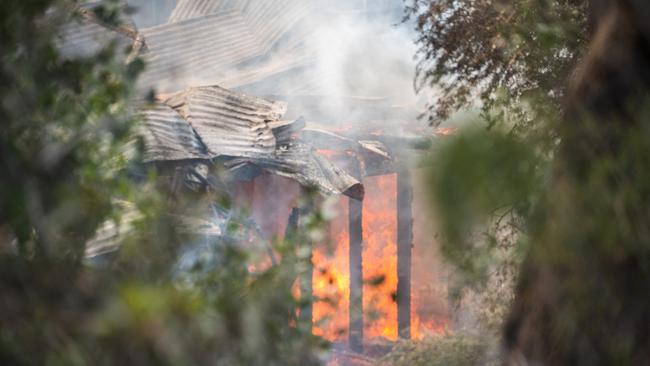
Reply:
x=404, y=246
x=356, y=274
x=355, y=220
x=305, y=280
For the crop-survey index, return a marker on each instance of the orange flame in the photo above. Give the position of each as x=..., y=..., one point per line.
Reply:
x=380, y=256
x=331, y=272
x=331, y=281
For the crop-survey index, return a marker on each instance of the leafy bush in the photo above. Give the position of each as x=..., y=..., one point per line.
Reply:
x=65, y=124
x=441, y=350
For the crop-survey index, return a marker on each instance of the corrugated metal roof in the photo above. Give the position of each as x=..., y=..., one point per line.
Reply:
x=299, y=161
x=197, y=51
x=208, y=122
x=228, y=123
x=188, y=9
x=269, y=20
x=224, y=42
x=167, y=136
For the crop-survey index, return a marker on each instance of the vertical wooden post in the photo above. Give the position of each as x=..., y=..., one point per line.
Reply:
x=305, y=281
x=404, y=246
x=355, y=218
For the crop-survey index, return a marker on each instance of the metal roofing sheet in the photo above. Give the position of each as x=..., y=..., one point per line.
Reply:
x=167, y=136
x=188, y=9
x=228, y=123
x=197, y=51
x=225, y=42
x=297, y=160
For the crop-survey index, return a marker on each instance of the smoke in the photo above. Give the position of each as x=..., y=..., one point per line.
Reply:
x=148, y=13
x=366, y=57
x=343, y=62
x=343, y=66
x=363, y=71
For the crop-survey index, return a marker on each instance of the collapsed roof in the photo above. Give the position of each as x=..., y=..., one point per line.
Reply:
x=228, y=123
x=247, y=45
x=206, y=123
x=225, y=39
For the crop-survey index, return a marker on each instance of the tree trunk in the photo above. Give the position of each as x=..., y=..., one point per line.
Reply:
x=583, y=295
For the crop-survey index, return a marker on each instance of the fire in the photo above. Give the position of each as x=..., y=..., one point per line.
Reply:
x=331, y=279
x=380, y=257
x=331, y=270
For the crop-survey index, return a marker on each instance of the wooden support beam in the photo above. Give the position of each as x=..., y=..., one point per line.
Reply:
x=306, y=279
x=404, y=247
x=355, y=217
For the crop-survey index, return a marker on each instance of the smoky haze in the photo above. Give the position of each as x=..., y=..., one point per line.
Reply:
x=343, y=63
x=345, y=66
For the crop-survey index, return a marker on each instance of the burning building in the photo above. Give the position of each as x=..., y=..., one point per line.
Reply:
x=240, y=87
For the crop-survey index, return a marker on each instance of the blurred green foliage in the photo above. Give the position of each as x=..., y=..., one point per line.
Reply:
x=477, y=174
x=496, y=54
x=510, y=60
x=441, y=350
x=68, y=153
x=64, y=123
x=576, y=195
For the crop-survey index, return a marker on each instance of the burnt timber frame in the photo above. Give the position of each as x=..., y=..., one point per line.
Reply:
x=306, y=279
x=404, y=261
x=355, y=230
x=404, y=248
